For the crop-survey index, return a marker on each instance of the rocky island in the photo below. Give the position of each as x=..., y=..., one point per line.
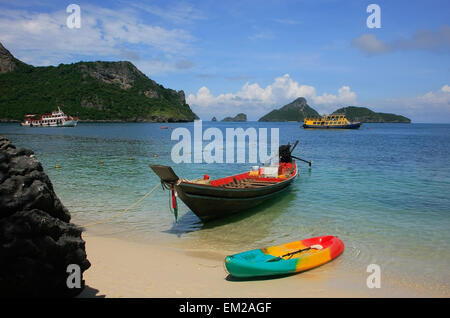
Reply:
x=241, y=117
x=295, y=111
x=299, y=109
x=365, y=115
x=93, y=91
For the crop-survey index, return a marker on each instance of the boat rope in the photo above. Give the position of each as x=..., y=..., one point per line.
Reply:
x=124, y=210
x=173, y=206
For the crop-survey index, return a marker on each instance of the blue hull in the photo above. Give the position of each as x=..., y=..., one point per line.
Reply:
x=350, y=126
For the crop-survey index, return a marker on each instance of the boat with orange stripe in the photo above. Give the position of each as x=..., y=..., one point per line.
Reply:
x=288, y=258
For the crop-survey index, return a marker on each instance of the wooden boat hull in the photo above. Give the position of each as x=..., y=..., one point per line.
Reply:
x=223, y=197
x=210, y=203
x=256, y=263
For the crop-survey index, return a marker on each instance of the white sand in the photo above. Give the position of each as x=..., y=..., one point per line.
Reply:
x=122, y=268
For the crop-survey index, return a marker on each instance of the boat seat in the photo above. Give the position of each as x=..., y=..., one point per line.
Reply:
x=198, y=181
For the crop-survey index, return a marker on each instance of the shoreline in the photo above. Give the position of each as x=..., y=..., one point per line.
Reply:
x=159, y=269
x=101, y=121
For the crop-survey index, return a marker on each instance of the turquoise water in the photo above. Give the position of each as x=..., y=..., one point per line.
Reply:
x=383, y=189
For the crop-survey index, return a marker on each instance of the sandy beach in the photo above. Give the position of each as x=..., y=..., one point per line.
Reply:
x=124, y=268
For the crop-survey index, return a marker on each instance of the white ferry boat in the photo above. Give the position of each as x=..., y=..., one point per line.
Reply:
x=56, y=119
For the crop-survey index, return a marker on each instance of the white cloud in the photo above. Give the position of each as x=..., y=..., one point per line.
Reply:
x=433, y=106
x=440, y=98
x=253, y=99
x=178, y=13
x=44, y=38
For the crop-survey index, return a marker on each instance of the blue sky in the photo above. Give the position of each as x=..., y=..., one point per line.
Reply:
x=254, y=56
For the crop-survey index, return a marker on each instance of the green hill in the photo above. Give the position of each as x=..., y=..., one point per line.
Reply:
x=366, y=115
x=239, y=117
x=90, y=90
x=295, y=111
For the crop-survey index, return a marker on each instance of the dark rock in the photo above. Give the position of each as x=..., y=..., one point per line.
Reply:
x=7, y=63
x=37, y=242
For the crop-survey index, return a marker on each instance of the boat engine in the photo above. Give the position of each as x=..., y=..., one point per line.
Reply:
x=285, y=151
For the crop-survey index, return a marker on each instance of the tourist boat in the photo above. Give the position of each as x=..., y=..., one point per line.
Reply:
x=334, y=121
x=213, y=199
x=56, y=119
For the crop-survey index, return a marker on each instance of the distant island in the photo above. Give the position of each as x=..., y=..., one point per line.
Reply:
x=365, y=115
x=299, y=109
x=214, y=119
x=241, y=117
x=295, y=111
x=94, y=91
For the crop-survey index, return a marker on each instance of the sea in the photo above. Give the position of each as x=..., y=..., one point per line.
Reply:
x=383, y=189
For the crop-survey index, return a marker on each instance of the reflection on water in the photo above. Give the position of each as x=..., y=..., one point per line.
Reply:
x=269, y=210
x=383, y=190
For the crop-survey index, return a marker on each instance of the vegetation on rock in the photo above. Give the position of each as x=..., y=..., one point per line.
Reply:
x=90, y=90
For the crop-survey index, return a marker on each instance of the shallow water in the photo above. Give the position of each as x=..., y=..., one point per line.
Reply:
x=383, y=189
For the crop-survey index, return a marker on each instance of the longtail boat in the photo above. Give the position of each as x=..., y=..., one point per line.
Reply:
x=213, y=199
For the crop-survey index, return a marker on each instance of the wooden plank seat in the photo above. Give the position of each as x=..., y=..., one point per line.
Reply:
x=247, y=183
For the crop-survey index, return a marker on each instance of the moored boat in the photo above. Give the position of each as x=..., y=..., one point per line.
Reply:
x=56, y=119
x=334, y=121
x=289, y=258
x=213, y=199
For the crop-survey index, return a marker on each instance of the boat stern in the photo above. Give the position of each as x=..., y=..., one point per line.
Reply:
x=165, y=173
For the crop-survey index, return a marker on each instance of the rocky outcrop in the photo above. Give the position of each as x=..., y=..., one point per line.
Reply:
x=7, y=61
x=94, y=91
x=37, y=242
x=365, y=115
x=295, y=111
x=241, y=117
x=214, y=119
x=123, y=73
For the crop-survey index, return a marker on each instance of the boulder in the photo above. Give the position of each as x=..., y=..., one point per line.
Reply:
x=37, y=240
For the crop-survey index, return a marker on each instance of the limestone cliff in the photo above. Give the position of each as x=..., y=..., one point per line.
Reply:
x=90, y=90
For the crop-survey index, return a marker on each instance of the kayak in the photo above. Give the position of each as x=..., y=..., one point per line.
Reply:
x=285, y=259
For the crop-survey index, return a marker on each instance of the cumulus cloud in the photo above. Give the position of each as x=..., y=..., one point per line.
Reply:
x=433, y=106
x=256, y=100
x=429, y=40
x=440, y=98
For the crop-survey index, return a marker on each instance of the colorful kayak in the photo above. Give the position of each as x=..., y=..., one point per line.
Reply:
x=284, y=259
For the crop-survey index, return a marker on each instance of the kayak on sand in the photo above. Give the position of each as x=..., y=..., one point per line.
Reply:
x=285, y=259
